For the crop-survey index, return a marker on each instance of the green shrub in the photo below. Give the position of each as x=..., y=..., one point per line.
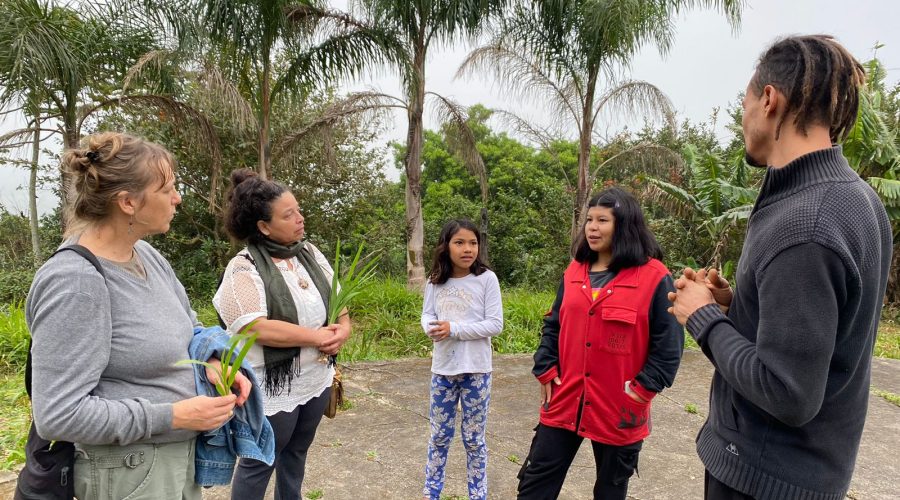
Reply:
x=15, y=417
x=523, y=313
x=14, y=338
x=14, y=285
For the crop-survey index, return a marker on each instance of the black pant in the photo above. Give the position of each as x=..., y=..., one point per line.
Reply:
x=553, y=451
x=713, y=489
x=294, y=433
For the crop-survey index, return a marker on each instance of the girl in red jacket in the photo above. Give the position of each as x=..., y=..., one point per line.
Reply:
x=608, y=346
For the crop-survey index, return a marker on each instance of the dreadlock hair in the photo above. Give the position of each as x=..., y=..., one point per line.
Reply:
x=819, y=78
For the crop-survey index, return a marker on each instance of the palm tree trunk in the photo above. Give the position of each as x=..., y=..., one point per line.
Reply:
x=485, y=240
x=71, y=140
x=265, y=159
x=582, y=190
x=415, y=223
x=32, y=196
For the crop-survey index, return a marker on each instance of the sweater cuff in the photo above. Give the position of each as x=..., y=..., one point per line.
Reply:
x=641, y=391
x=160, y=419
x=701, y=320
x=548, y=376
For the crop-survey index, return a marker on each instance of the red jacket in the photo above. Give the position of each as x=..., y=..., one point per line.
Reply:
x=600, y=344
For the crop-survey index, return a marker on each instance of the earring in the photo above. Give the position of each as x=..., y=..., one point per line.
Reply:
x=131, y=225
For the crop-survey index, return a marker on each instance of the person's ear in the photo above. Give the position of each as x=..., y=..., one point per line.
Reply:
x=127, y=203
x=772, y=100
x=263, y=227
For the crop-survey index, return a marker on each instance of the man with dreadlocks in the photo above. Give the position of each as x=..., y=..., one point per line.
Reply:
x=792, y=344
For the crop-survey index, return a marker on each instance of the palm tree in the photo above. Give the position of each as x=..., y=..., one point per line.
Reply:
x=417, y=26
x=568, y=53
x=714, y=198
x=260, y=52
x=69, y=65
x=873, y=149
x=36, y=49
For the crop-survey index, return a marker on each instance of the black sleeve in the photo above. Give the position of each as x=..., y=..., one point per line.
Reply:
x=666, y=342
x=547, y=355
x=785, y=370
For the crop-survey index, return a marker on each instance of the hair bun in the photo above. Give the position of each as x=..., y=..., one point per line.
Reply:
x=77, y=161
x=242, y=174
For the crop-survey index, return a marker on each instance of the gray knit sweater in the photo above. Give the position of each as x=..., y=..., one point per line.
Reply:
x=793, y=356
x=104, y=350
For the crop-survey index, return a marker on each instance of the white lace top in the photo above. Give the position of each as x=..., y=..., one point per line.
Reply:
x=241, y=299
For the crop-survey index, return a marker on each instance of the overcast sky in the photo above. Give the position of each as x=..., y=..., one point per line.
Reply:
x=707, y=68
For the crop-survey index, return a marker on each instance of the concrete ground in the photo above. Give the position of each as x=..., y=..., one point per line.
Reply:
x=376, y=449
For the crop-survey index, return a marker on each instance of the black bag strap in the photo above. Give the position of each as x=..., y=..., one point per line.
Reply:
x=90, y=257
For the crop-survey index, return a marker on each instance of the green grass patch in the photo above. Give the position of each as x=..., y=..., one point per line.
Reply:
x=691, y=408
x=15, y=417
x=345, y=405
x=689, y=342
x=314, y=494
x=14, y=338
x=890, y=397
x=887, y=344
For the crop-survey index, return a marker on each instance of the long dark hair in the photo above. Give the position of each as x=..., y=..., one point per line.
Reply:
x=441, y=266
x=633, y=244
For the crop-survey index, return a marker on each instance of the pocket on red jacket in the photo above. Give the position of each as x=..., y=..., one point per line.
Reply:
x=617, y=329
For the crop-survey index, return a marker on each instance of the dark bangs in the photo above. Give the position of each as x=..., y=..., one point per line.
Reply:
x=633, y=243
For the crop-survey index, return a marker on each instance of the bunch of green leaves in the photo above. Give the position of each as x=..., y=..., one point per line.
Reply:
x=235, y=351
x=345, y=288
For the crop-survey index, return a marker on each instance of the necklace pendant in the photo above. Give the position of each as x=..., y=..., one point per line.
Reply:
x=303, y=283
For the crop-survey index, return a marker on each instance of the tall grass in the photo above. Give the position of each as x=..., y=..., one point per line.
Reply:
x=15, y=409
x=386, y=322
x=13, y=338
x=15, y=417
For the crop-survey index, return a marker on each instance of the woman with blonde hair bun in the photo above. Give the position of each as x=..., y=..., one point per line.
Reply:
x=105, y=344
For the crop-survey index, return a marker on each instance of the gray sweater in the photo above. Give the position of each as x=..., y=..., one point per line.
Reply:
x=793, y=356
x=104, y=350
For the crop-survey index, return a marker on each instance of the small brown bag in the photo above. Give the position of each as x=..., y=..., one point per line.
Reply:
x=337, y=394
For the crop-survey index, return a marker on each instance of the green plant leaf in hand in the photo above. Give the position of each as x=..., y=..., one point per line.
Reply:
x=346, y=287
x=232, y=357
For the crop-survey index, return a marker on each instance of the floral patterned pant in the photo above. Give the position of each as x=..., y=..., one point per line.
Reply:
x=473, y=392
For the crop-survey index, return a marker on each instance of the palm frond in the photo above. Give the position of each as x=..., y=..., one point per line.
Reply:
x=219, y=93
x=525, y=128
x=533, y=133
x=887, y=189
x=733, y=215
x=21, y=137
x=737, y=194
x=637, y=97
x=168, y=108
x=516, y=73
x=462, y=142
x=37, y=46
x=354, y=105
x=671, y=197
x=339, y=46
x=651, y=158
x=155, y=60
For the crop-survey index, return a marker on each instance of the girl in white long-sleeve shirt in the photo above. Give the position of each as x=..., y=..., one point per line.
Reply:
x=461, y=312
